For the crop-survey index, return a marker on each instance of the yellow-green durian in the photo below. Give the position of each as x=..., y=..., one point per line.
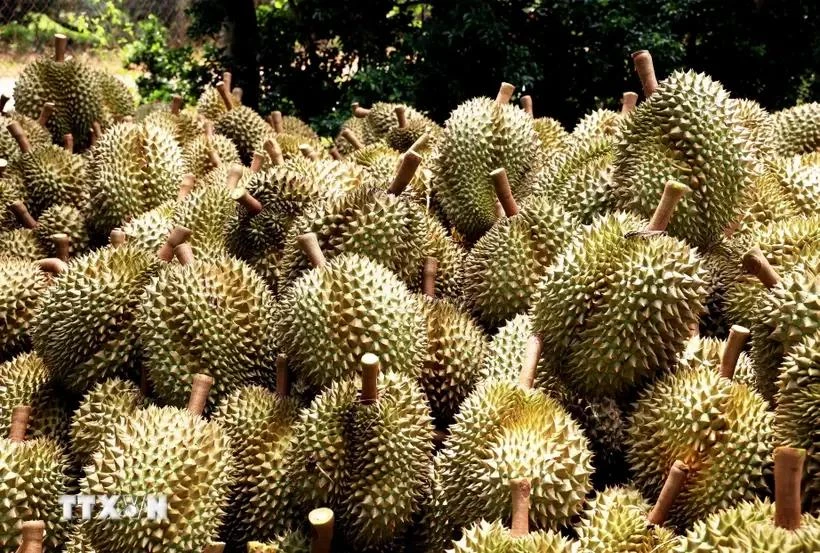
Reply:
x=796, y=129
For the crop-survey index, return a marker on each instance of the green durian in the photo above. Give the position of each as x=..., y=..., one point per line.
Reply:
x=485, y=537
x=206, y=211
x=148, y=230
x=601, y=123
x=117, y=98
x=798, y=178
x=796, y=129
x=333, y=177
x=183, y=125
x=38, y=136
x=22, y=285
x=197, y=157
x=78, y=543
x=210, y=103
x=381, y=118
x=723, y=269
x=551, y=133
x=359, y=128
x=765, y=201
x=759, y=126
x=246, y=129
x=62, y=219
x=292, y=125
x=268, y=265
x=21, y=243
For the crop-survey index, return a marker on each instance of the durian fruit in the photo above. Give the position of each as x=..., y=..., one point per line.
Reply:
x=616, y=307
x=103, y=406
x=35, y=132
x=480, y=136
x=78, y=543
x=163, y=451
x=149, y=230
x=22, y=285
x=289, y=124
x=85, y=332
x=206, y=211
x=20, y=243
x=508, y=352
x=259, y=424
x=380, y=164
x=73, y=88
x=34, y=478
x=503, y=268
x=117, y=98
x=211, y=104
x=363, y=448
x=62, y=219
x=184, y=126
x=242, y=125
x=343, y=308
x=137, y=168
x=702, y=350
x=456, y=347
x=204, y=315
x=334, y=177
x=207, y=151
x=796, y=129
x=758, y=526
x=381, y=117
x=410, y=129
x=687, y=131
x=719, y=428
x=759, y=126
x=321, y=521
x=506, y=430
x=797, y=178
x=486, y=537
x=601, y=123
x=551, y=133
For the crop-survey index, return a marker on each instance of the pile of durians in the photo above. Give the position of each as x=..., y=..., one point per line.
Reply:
x=489, y=336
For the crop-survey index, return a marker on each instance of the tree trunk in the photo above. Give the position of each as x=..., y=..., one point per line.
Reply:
x=243, y=44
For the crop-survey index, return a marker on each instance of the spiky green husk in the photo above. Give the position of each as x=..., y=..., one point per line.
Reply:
x=759, y=126
x=149, y=230
x=37, y=135
x=51, y=175
x=485, y=537
x=402, y=138
x=183, y=126
x=85, y=331
x=246, y=129
x=368, y=462
x=687, y=131
x=22, y=285
x=382, y=118
x=334, y=177
x=11, y=190
x=117, y=98
x=213, y=316
x=721, y=429
x=137, y=167
x=206, y=211
x=102, y=407
x=479, y=137
x=360, y=128
x=78, y=543
x=798, y=129
x=798, y=178
x=65, y=219
x=615, y=522
x=290, y=145
x=21, y=243
x=502, y=270
x=380, y=164
x=267, y=265
x=616, y=307
x=596, y=125
x=34, y=477
x=195, y=154
x=766, y=201
x=162, y=451
x=294, y=125
x=604, y=424
x=211, y=105
x=289, y=542
x=259, y=425
x=331, y=316
x=700, y=351
x=551, y=133
x=501, y=432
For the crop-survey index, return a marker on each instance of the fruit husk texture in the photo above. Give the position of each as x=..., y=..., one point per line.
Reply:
x=22, y=285
x=486, y=537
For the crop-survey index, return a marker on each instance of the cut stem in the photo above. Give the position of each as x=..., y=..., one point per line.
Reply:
x=117, y=237
x=428, y=277
x=52, y=265
x=370, y=379
x=241, y=195
x=672, y=193
x=505, y=92
x=217, y=547
x=321, y=523
x=236, y=92
x=45, y=114
x=274, y=151
x=646, y=71
x=410, y=162
x=359, y=111
x=60, y=46
x=309, y=244
x=184, y=254
x=227, y=78
x=20, y=416
x=308, y=151
x=200, y=389
x=351, y=137
x=334, y=153
x=256, y=162
x=282, y=380
x=234, y=176
x=788, y=472
x=520, y=489
x=629, y=101
x=671, y=488
x=420, y=143
x=68, y=142
x=277, y=121
x=224, y=93
x=22, y=214
x=176, y=103
x=526, y=103
x=185, y=186
x=62, y=245
x=731, y=352
x=503, y=191
x=532, y=354
x=19, y=136
x=31, y=536
x=177, y=236
x=755, y=263
x=401, y=116
x=213, y=157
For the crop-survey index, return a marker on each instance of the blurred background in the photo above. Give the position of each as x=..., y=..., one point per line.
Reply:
x=312, y=58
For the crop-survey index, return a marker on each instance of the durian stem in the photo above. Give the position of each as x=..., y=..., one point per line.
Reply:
x=321, y=523
x=499, y=210
x=234, y=176
x=227, y=78
x=60, y=46
x=629, y=101
x=176, y=103
x=282, y=380
x=672, y=193
x=309, y=244
x=3, y=165
x=334, y=153
x=788, y=472
x=671, y=488
x=503, y=191
x=20, y=416
x=520, y=489
x=308, y=152
x=526, y=104
x=241, y=195
x=62, y=244
x=237, y=92
x=213, y=157
x=68, y=142
x=19, y=136
x=45, y=114
x=217, y=547
x=646, y=71
x=199, y=393
x=225, y=95
x=428, y=277
x=256, y=162
x=351, y=137
x=208, y=127
x=505, y=92
x=370, y=379
x=420, y=142
x=532, y=354
x=401, y=116
x=755, y=263
x=410, y=162
x=117, y=237
x=186, y=186
x=359, y=111
x=277, y=122
x=274, y=151
x=32, y=535
x=52, y=265
x=184, y=254
x=22, y=214
x=177, y=236
x=3, y=101
x=731, y=352
x=96, y=132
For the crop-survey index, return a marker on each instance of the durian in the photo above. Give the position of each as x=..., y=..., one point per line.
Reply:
x=211, y=105
x=22, y=285
x=204, y=153
x=243, y=126
x=796, y=129
x=117, y=98
x=62, y=219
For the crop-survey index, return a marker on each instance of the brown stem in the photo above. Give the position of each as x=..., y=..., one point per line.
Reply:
x=252, y=205
x=755, y=263
x=225, y=95
x=351, y=137
x=20, y=416
x=234, y=176
x=671, y=488
x=19, y=136
x=60, y=45
x=629, y=101
x=96, y=132
x=46, y=113
x=282, y=380
x=420, y=142
x=505, y=92
x=321, y=523
x=308, y=152
x=184, y=254
x=401, y=116
x=3, y=165
x=186, y=186
x=274, y=151
x=526, y=378
x=227, y=78
x=526, y=103
x=177, y=236
x=503, y=191
x=520, y=489
x=199, y=393
x=3, y=101
x=52, y=265
x=499, y=210
x=208, y=128
x=672, y=193
x=788, y=471
x=309, y=244
x=117, y=237
x=237, y=92
x=176, y=103
x=731, y=352
x=334, y=153
x=22, y=214
x=359, y=111
x=62, y=243
x=215, y=547
x=256, y=162
x=646, y=71
x=68, y=142
x=410, y=162
x=213, y=157
x=277, y=121
x=370, y=379
x=32, y=534
x=428, y=277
